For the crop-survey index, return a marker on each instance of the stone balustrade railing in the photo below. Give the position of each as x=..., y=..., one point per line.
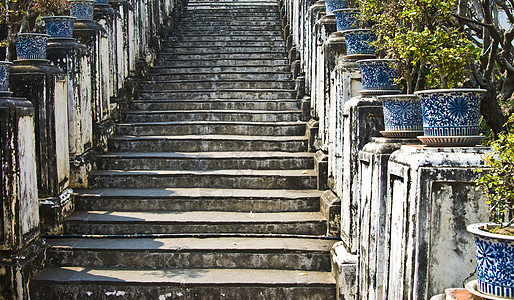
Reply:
x=401, y=209
x=60, y=115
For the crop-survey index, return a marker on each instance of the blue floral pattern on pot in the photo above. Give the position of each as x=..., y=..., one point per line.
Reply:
x=402, y=113
x=82, y=9
x=358, y=41
x=59, y=27
x=495, y=262
x=332, y=5
x=5, y=68
x=347, y=18
x=450, y=112
x=31, y=46
x=379, y=74
x=103, y=2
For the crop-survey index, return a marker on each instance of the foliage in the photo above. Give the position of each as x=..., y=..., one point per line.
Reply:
x=498, y=180
x=420, y=34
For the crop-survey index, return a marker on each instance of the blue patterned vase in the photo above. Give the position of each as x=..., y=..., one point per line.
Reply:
x=495, y=262
x=31, y=45
x=102, y=2
x=451, y=112
x=5, y=68
x=380, y=75
x=358, y=42
x=347, y=18
x=59, y=27
x=332, y=5
x=83, y=10
x=402, y=113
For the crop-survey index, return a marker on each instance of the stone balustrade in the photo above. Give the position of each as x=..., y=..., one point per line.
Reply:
x=403, y=209
x=61, y=114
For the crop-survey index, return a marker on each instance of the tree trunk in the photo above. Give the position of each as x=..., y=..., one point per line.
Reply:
x=492, y=112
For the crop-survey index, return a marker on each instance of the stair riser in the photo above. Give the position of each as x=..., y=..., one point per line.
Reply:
x=203, y=181
x=215, y=105
x=194, y=32
x=223, y=38
x=209, y=44
x=42, y=290
x=207, y=145
x=202, y=129
x=221, y=56
x=235, y=117
x=217, y=62
x=159, y=86
x=198, y=204
x=232, y=13
x=219, y=76
x=209, y=94
x=206, y=164
x=303, y=228
x=308, y=261
x=221, y=70
x=227, y=49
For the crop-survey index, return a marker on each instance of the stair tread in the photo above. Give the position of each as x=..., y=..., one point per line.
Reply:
x=281, y=123
x=214, y=111
x=203, y=217
x=198, y=193
x=187, y=276
x=237, y=172
x=211, y=155
x=233, y=244
x=211, y=137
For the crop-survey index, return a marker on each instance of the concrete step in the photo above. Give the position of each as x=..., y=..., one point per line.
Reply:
x=199, y=76
x=210, y=44
x=208, y=143
x=219, y=62
x=190, y=252
x=175, y=48
x=206, y=21
x=212, y=127
x=198, y=199
x=147, y=86
x=226, y=32
x=220, y=56
x=221, y=70
x=212, y=115
x=206, y=94
x=84, y=283
x=206, y=160
x=133, y=223
x=216, y=104
x=225, y=38
x=237, y=179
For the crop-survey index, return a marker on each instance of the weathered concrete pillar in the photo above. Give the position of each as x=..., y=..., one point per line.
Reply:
x=345, y=84
x=73, y=58
x=94, y=36
x=21, y=251
x=344, y=270
x=431, y=198
x=314, y=14
x=45, y=86
x=362, y=120
x=373, y=159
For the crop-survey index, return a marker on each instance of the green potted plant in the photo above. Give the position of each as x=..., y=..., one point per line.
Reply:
x=495, y=241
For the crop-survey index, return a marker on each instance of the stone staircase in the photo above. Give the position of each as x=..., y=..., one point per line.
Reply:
x=207, y=191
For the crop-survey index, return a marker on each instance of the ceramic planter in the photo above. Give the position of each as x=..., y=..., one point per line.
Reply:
x=450, y=112
x=402, y=115
x=31, y=46
x=379, y=76
x=5, y=68
x=347, y=18
x=495, y=262
x=102, y=2
x=59, y=27
x=82, y=10
x=358, y=43
x=332, y=5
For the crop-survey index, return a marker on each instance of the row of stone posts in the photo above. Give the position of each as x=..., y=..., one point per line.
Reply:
x=400, y=208
x=61, y=113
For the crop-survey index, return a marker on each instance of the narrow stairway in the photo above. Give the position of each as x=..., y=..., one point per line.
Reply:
x=208, y=191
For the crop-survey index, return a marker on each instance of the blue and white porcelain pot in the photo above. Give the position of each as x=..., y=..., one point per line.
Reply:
x=102, y=2
x=31, y=46
x=83, y=10
x=333, y=5
x=495, y=262
x=379, y=76
x=359, y=42
x=5, y=68
x=59, y=27
x=451, y=112
x=347, y=18
x=402, y=114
